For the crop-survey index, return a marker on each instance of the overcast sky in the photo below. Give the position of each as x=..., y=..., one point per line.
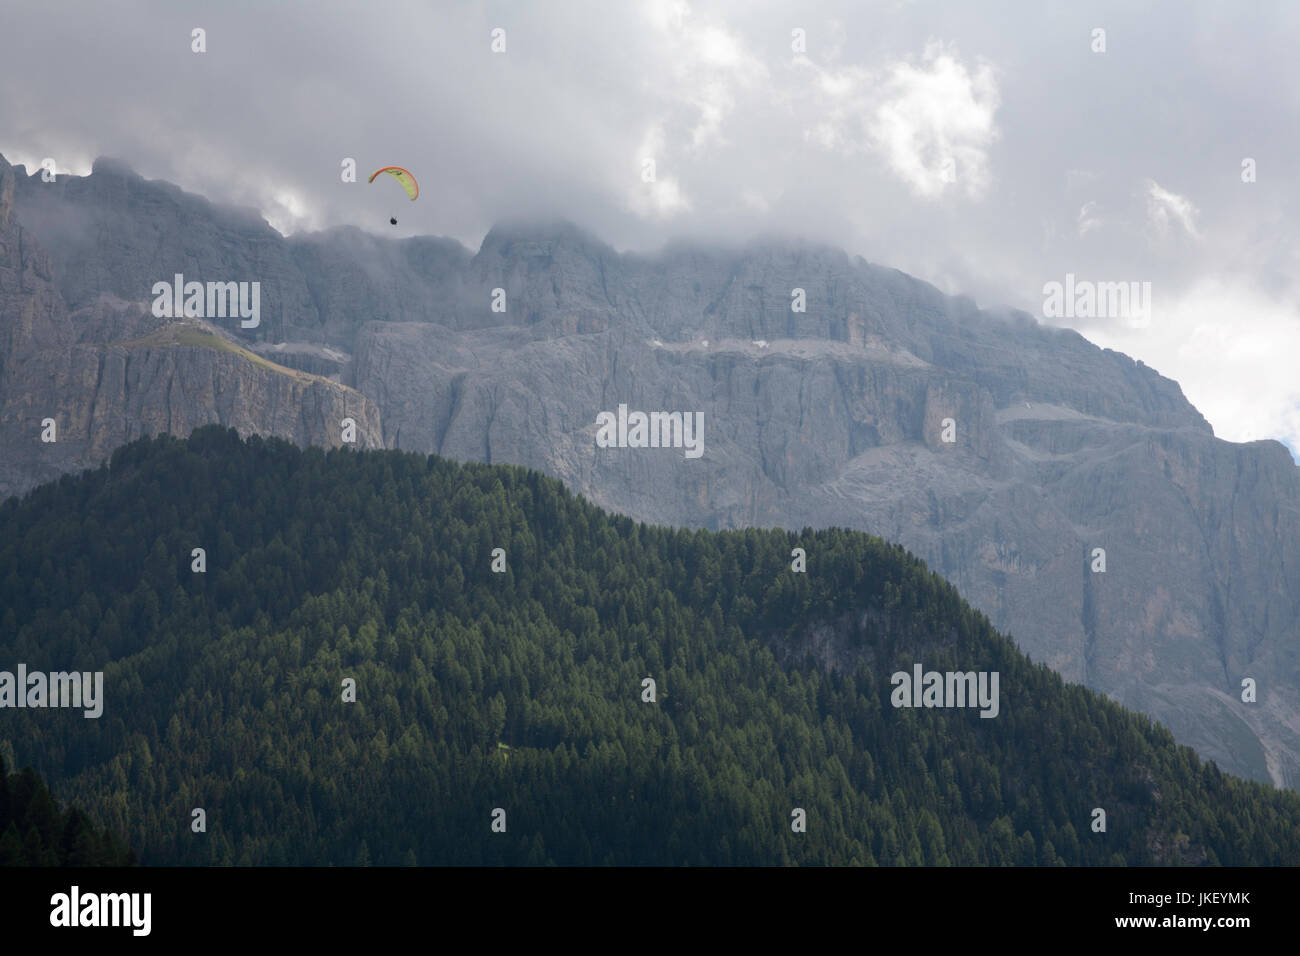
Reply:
x=987, y=147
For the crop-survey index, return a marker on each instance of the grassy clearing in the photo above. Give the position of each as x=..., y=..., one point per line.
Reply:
x=185, y=335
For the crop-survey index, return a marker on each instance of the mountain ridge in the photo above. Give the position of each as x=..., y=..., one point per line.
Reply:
x=359, y=676
x=832, y=417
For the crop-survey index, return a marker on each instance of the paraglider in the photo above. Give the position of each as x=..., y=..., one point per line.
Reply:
x=404, y=177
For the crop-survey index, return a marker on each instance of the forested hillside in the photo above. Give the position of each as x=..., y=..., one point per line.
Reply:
x=34, y=831
x=225, y=690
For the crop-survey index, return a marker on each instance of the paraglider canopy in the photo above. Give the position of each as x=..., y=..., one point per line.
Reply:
x=403, y=176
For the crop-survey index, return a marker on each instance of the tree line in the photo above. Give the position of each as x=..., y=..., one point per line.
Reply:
x=522, y=690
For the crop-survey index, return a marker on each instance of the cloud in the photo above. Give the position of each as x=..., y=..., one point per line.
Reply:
x=935, y=114
x=655, y=196
x=931, y=122
x=1164, y=206
x=1231, y=346
x=1088, y=219
x=660, y=199
x=707, y=65
x=286, y=212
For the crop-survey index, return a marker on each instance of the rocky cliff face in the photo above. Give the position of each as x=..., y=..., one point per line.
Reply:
x=110, y=372
x=833, y=416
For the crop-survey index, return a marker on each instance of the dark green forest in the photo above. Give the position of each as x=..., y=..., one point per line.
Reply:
x=522, y=690
x=35, y=832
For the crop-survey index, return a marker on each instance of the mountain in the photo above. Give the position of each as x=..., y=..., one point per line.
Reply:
x=106, y=371
x=509, y=687
x=830, y=417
